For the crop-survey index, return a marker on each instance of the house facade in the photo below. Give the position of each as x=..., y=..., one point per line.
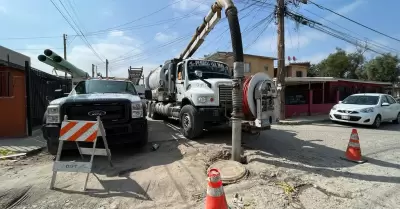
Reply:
x=252, y=63
x=256, y=63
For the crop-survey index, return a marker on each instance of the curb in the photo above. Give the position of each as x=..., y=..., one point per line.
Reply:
x=291, y=123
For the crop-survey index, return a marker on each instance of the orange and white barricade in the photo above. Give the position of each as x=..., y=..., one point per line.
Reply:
x=80, y=131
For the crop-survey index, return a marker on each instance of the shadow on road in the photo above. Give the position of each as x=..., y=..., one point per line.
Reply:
x=126, y=187
x=127, y=159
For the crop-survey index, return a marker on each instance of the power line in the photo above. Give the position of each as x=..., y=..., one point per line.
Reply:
x=369, y=41
x=24, y=49
x=22, y=38
x=180, y=39
x=330, y=31
x=140, y=18
x=72, y=26
x=324, y=8
x=151, y=39
x=268, y=21
x=83, y=38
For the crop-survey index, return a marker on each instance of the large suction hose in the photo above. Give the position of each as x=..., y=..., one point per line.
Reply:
x=238, y=74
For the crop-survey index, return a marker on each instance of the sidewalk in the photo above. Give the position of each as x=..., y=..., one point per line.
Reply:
x=22, y=146
x=304, y=120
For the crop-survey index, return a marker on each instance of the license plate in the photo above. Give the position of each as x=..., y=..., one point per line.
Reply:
x=345, y=117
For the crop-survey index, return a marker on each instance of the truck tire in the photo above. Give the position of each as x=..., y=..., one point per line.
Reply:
x=52, y=147
x=153, y=114
x=192, y=124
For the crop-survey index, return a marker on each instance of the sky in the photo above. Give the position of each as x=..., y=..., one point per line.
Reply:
x=146, y=33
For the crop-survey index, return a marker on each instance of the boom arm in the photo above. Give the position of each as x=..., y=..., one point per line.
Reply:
x=212, y=18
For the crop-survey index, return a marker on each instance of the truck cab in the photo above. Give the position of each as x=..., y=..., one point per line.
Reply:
x=205, y=84
x=116, y=102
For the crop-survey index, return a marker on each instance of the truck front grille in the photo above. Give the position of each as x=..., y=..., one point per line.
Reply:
x=225, y=95
x=115, y=112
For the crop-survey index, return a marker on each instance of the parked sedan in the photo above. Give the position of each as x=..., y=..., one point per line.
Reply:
x=368, y=109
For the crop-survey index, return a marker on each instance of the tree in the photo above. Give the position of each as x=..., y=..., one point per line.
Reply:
x=335, y=65
x=383, y=68
x=313, y=71
x=356, y=62
x=342, y=65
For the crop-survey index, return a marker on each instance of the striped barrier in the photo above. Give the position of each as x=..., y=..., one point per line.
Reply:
x=80, y=131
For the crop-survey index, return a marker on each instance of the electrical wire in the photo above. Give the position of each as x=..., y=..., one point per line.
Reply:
x=178, y=39
x=330, y=31
x=72, y=26
x=367, y=39
x=151, y=39
x=360, y=24
x=140, y=18
x=268, y=21
x=226, y=28
x=23, y=38
x=35, y=49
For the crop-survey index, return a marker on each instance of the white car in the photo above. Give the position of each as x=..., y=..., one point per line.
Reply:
x=368, y=109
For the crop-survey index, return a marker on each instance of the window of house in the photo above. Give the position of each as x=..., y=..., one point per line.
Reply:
x=266, y=68
x=5, y=84
x=299, y=73
x=247, y=67
x=275, y=72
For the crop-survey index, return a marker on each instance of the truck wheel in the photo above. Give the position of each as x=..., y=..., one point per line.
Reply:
x=153, y=114
x=52, y=147
x=192, y=125
x=148, y=112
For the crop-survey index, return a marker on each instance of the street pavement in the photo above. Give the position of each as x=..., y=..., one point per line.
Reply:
x=289, y=167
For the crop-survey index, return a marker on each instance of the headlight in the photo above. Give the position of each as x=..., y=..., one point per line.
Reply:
x=202, y=99
x=334, y=107
x=367, y=110
x=137, y=110
x=53, y=114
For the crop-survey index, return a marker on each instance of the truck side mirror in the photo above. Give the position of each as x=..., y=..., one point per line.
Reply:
x=58, y=93
x=147, y=94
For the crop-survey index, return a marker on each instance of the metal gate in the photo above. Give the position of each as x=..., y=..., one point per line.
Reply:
x=42, y=86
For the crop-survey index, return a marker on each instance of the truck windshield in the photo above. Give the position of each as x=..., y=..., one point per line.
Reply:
x=104, y=86
x=210, y=69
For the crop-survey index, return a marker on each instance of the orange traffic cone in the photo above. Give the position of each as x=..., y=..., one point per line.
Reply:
x=215, y=198
x=353, y=152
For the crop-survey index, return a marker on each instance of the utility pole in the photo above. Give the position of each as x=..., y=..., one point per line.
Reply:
x=106, y=68
x=65, y=49
x=92, y=70
x=280, y=12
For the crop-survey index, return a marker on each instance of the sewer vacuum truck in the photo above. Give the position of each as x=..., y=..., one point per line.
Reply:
x=202, y=93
